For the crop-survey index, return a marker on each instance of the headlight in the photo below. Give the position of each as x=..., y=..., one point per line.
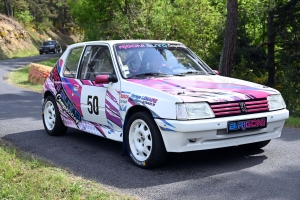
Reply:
x=276, y=102
x=194, y=111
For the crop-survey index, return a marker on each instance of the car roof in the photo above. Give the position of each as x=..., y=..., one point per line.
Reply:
x=112, y=42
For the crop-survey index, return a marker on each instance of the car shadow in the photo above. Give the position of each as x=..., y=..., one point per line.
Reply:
x=100, y=159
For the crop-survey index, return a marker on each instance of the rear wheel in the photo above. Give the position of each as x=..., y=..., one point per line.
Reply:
x=256, y=145
x=51, y=118
x=144, y=141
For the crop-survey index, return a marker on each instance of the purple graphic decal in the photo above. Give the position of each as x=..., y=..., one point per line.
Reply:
x=109, y=95
x=69, y=86
x=208, y=89
x=109, y=106
x=87, y=82
x=99, y=128
x=113, y=117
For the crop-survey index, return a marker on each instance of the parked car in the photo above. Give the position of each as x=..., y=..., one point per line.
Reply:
x=157, y=97
x=50, y=46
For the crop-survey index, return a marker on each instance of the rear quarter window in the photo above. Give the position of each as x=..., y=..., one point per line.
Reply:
x=70, y=68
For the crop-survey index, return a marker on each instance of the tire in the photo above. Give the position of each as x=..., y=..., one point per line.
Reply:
x=144, y=141
x=256, y=145
x=51, y=118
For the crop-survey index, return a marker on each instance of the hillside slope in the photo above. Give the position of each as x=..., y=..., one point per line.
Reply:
x=17, y=41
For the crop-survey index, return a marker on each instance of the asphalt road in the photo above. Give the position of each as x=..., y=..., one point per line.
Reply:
x=227, y=173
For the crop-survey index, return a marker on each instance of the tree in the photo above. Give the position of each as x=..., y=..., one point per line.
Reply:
x=226, y=59
x=7, y=8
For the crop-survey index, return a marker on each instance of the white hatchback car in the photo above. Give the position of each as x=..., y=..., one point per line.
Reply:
x=157, y=97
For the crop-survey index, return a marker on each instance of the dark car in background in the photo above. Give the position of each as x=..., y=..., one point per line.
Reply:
x=50, y=46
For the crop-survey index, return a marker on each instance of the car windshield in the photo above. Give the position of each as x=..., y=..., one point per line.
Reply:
x=48, y=43
x=139, y=60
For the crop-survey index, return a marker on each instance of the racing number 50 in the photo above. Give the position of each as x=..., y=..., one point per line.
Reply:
x=93, y=104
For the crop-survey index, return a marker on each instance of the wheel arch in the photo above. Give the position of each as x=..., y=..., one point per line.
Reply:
x=48, y=93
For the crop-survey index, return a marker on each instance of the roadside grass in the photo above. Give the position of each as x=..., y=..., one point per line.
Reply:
x=26, y=177
x=20, y=76
x=51, y=62
x=293, y=122
x=25, y=53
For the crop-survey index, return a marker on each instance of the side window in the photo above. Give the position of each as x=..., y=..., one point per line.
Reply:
x=70, y=68
x=97, y=60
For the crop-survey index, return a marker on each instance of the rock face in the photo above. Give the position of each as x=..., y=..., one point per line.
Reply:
x=16, y=41
x=38, y=73
x=13, y=37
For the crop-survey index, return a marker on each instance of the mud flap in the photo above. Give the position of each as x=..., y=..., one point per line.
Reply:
x=124, y=151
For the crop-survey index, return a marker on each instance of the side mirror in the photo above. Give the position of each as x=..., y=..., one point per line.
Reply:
x=217, y=72
x=104, y=79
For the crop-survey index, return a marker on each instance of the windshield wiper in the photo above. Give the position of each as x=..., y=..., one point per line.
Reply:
x=150, y=74
x=189, y=72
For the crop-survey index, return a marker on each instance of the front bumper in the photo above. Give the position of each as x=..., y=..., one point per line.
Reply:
x=193, y=135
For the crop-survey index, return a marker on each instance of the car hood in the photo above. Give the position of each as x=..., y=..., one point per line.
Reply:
x=210, y=88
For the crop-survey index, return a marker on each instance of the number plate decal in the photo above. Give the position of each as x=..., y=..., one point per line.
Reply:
x=243, y=125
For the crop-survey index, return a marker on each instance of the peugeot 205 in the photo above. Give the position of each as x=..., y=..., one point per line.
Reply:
x=157, y=97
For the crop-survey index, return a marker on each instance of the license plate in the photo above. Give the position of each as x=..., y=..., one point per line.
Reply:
x=247, y=124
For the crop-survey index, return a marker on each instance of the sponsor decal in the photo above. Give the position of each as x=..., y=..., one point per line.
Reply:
x=124, y=96
x=144, y=99
x=67, y=105
x=123, y=107
x=111, y=127
x=123, y=104
x=247, y=124
x=131, y=46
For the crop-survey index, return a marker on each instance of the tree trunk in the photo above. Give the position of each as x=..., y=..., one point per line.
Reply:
x=7, y=8
x=271, y=47
x=226, y=59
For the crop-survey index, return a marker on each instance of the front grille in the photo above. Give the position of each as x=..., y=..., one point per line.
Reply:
x=239, y=107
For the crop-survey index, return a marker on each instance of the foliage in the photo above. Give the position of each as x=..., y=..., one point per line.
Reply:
x=287, y=28
x=293, y=122
x=24, y=17
x=20, y=78
x=197, y=23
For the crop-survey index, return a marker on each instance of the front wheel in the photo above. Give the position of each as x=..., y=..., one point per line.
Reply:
x=256, y=145
x=144, y=141
x=51, y=118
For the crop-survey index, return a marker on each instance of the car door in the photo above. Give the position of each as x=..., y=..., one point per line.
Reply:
x=99, y=102
x=70, y=92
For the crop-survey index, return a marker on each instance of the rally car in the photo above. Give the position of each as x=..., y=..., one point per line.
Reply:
x=156, y=97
